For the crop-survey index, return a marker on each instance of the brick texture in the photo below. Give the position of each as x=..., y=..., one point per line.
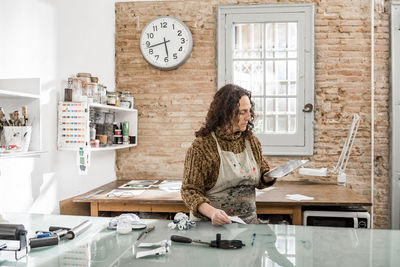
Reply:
x=173, y=104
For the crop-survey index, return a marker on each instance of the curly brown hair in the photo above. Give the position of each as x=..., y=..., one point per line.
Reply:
x=225, y=107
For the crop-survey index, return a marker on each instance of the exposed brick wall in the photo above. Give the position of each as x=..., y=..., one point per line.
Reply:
x=173, y=104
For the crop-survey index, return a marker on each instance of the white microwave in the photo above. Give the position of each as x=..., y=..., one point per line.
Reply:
x=352, y=219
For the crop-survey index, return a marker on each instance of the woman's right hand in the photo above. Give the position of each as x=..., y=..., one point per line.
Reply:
x=219, y=217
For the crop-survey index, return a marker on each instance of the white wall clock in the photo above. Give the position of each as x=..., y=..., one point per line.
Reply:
x=166, y=43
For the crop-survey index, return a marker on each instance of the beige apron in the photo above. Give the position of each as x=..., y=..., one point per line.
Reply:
x=234, y=191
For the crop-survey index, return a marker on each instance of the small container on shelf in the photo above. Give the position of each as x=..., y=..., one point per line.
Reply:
x=92, y=92
x=112, y=98
x=125, y=132
x=92, y=131
x=126, y=100
x=108, y=127
x=118, y=103
x=76, y=90
x=102, y=94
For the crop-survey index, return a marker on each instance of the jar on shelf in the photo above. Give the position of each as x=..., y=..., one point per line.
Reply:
x=118, y=103
x=102, y=94
x=76, y=87
x=126, y=100
x=112, y=98
x=92, y=92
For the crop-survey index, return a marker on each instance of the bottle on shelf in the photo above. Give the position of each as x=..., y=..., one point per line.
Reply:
x=92, y=131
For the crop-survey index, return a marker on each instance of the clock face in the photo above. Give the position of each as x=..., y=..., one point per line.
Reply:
x=166, y=43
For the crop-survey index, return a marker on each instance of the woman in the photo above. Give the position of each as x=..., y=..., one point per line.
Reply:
x=224, y=164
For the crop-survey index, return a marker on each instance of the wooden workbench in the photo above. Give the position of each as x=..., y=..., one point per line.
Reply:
x=269, y=201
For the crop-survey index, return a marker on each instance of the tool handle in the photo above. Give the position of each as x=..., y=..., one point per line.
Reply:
x=12, y=231
x=74, y=232
x=44, y=241
x=56, y=228
x=181, y=239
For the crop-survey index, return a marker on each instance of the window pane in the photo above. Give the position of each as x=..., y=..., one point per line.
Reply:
x=281, y=105
x=292, y=105
x=270, y=88
x=292, y=40
x=292, y=54
x=281, y=33
x=292, y=124
x=249, y=75
x=270, y=105
x=248, y=40
x=270, y=71
x=292, y=88
x=259, y=107
x=282, y=89
x=292, y=36
x=259, y=114
x=270, y=124
x=258, y=125
x=269, y=36
x=282, y=125
x=281, y=70
x=292, y=70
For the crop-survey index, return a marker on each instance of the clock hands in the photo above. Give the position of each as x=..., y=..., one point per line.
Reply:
x=164, y=42
x=166, y=48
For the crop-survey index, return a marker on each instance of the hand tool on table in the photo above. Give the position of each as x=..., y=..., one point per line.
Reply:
x=58, y=233
x=148, y=230
x=15, y=232
x=218, y=243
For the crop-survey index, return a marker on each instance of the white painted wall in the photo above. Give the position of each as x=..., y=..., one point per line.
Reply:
x=52, y=39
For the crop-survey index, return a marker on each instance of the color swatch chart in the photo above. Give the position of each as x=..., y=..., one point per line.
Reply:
x=72, y=125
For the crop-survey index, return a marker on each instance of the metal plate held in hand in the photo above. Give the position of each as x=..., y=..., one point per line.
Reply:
x=286, y=168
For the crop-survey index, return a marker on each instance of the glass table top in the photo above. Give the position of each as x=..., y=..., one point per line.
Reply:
x=265, y=245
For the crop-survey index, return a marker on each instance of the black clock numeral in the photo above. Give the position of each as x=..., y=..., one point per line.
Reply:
x=150, y=51
x=147, y=43
x=182, y=40
x=175, y=56
x=180, y=49
x=166, y=59
x=155, y=28
x=150, y=35
x=156, y=56
x=179, y=32
x=173, y=26
x=163, y=24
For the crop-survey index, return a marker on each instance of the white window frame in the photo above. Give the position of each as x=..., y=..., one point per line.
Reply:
x=303, y=14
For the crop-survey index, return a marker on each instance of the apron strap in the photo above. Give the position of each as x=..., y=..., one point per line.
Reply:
x=219, y=149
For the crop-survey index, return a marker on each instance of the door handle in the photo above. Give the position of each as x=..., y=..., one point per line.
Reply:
x=308, y=108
